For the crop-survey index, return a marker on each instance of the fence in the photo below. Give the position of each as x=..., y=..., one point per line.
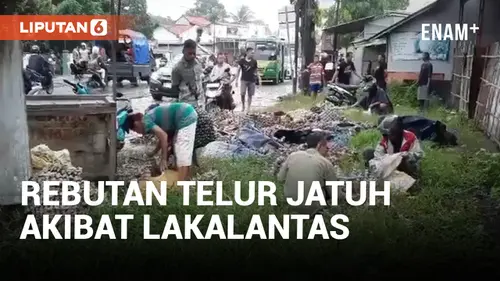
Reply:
x=461, y=74
x=488, y=103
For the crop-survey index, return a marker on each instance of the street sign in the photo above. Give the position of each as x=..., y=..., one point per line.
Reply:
x=282, y=16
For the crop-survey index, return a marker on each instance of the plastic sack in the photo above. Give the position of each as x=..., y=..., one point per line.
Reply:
x=385, y=168
x=43, y=157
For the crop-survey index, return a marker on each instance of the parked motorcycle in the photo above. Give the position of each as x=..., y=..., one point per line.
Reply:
x=341, y=94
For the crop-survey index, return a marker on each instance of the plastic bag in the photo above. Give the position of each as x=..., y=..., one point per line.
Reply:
x=385, y=168
x=169, y=176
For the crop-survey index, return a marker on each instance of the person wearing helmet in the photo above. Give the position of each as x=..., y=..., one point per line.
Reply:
x=39, y=64
x=83, y=55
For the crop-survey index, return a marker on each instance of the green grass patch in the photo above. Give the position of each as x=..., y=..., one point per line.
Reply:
x=446, y=214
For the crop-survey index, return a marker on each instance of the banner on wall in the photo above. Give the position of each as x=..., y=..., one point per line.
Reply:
x=407, y=46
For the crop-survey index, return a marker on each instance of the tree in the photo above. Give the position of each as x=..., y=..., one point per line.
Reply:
x=79, y=7
x=357, y=9
x=35, y=7
x=243, y=15
x=142, y=21
x=212, y=9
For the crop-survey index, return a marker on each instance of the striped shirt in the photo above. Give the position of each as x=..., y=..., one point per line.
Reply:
x=316, y=73
x=170, y=117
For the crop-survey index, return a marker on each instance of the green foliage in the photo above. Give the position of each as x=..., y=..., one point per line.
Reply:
x=35, y=7
x=403, y=94
x=212, y=9
x=79, y=7
x=142, y=20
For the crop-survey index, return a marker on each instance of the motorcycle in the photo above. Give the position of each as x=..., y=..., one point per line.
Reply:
x=219, y=94
x=39, y=83
x=78, y=69
x=341, y=94
x=78, y=88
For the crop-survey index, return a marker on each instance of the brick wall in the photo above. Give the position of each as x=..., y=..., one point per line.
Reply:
x=86, y=138
x=410, y=76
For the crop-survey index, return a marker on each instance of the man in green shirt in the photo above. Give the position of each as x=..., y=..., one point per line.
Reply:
x=308, y=166
x=175, y=119
x=187, y=76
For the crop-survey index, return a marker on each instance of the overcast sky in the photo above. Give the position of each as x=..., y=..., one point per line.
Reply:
x=266, y=10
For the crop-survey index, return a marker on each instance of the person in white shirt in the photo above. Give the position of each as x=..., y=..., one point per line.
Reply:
x=84, y=53
x=218, y=72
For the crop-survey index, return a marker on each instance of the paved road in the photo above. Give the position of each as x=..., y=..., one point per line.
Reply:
x=264, y=95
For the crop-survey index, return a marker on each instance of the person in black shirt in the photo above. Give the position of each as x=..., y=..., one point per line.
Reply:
x=424, y=81
x=249, y=75
x=344, y=71
x=380, y=72
x=41, y=65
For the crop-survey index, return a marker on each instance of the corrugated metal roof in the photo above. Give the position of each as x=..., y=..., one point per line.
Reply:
x=407, y=19
x=359, y=24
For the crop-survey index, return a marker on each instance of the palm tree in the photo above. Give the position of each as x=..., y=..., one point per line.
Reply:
x=243, y=15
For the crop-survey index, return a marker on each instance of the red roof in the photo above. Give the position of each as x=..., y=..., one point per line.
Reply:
x=178, y=29
x=199, y=21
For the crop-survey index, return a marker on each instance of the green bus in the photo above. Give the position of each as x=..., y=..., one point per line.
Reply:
x=270, y=57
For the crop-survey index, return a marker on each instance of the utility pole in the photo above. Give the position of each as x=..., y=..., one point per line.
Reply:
x=15, y=159
x=335, y=37
x=296, y=50
x=288, y=46
x=113, y=46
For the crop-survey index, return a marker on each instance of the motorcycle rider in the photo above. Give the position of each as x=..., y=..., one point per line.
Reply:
x=83, y=55
x=220, y=72
x=95, y=64
x=219, y=69
x=41, y=65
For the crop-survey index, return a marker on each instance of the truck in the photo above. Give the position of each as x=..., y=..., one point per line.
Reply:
x=270, y=57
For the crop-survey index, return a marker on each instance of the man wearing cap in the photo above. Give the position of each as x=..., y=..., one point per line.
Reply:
x=308, y=166
x=397, y=140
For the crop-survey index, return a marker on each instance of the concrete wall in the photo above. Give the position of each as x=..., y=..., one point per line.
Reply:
x=85, y=136
x=14, y=150
x=164, y=36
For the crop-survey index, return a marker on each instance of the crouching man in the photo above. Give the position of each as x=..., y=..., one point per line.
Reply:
x=397, y=140
x=308, y=166
x=175, y=119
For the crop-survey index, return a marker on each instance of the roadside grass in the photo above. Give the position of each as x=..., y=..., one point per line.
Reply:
x=446, y=218
x=446, y=215
x=299, y=101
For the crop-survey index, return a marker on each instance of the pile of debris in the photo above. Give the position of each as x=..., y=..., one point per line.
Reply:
x=275, y=134
x=49, y=165
x=281, y=133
